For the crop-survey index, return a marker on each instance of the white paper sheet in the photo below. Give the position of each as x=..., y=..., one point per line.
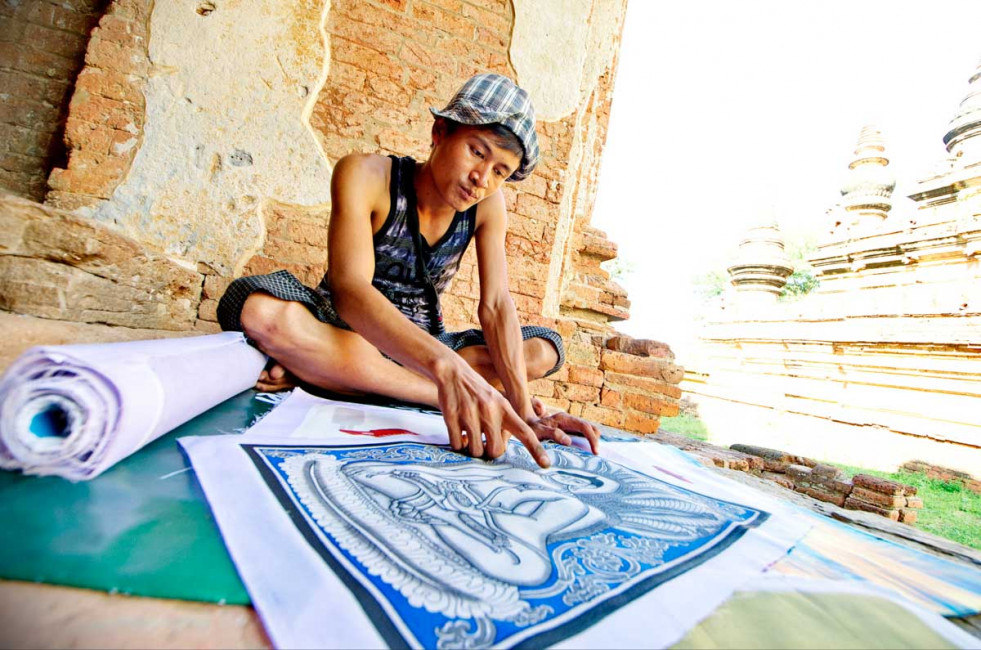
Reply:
x=349, y=534
x=76, y=410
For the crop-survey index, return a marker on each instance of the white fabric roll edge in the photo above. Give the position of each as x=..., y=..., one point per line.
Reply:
x=76, y=410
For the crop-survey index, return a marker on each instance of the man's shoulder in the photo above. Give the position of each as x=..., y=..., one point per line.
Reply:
x=492, y=209
x=364, y=166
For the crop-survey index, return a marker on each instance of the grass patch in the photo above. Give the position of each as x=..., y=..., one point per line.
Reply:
x=950, y=510
x=686, y=425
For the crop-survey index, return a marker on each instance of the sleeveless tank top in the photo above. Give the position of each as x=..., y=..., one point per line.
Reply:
x=396, y=272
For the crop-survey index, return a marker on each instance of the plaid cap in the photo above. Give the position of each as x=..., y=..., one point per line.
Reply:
x=495, y=99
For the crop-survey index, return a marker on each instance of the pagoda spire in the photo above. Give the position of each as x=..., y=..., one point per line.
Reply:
x=761, y=267
x=962, y=138
x=867, y=191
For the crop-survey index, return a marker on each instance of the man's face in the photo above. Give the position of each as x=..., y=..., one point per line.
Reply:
x=469, y=165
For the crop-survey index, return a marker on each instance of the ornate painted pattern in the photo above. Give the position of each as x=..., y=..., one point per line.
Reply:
x=446, y=551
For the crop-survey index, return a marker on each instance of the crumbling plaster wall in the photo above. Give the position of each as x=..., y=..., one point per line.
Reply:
x=206, y=131
x=224, y=129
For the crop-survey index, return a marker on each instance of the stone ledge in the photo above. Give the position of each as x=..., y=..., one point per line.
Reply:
x=63, y=266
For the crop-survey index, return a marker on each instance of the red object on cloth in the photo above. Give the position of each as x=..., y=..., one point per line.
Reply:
x=379, y=433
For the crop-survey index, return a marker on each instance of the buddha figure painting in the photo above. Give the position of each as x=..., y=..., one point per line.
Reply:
x=447, y=551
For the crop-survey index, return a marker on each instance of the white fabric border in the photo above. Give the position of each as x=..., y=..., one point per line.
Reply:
x=298, y=596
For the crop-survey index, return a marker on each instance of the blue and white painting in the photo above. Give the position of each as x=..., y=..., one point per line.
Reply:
x=446, y=551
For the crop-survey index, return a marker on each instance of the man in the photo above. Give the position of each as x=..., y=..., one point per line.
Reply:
x=398, y=229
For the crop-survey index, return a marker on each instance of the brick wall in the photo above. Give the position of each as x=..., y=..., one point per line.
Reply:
x=106, y=111
x=389, y=60
x=42, y=44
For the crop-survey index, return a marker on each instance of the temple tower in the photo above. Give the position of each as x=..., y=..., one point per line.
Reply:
x=762, y=267
x=958, y=179
x=962, y=138
x=867, y=191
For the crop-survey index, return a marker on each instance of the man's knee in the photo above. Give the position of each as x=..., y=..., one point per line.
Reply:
x=270, y=321
x=540, y=357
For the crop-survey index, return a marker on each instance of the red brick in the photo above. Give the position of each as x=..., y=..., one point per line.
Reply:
x=121, y=31
x=534, y=207
x=641, y=422
x=312, y=233
x=585, y=375
x=376, y=37
x=136, y=10
x=12, y=29
x=609, y=417
x=64, y=44
x=49, y=14
x=25, y=141
x=390, y=91
x=30, y=60
x=857, y=504
x=453, y=6
x=13, y=162
x=499, y=63
x=396, y=141
x=102, y=110
x=420, y=79
x=28, y=185
x=291, y=252
x=577, y=392
x=611, y=398
x=779, y=479
x=643, y=367
x=501, y=7
x=646, y=404
x=527, y=287
x=877, y=498
x=90, y=182
x=215, y=286
x=443, y=20
x=531, y=229
x=876, y=484
x=821, y=495
x=491, y=38
x=426, y=57
x=37, y=116
x=492, y=20
x=542, y=388
x=527, y=304
x=104, y=53
x=639, y=347
x=89, y=7
x=208, y=310
x=347, y=75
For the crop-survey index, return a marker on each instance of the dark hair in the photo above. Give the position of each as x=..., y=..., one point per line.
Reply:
x=503, y=136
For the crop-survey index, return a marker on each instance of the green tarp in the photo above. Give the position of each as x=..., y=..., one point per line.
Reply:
x=143, y=527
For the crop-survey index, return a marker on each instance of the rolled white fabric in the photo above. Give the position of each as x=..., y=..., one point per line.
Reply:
x=76, y=410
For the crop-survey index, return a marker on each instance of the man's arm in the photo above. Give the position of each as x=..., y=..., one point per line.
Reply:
x=502, y=330
x=496, y=312
x=469, y=404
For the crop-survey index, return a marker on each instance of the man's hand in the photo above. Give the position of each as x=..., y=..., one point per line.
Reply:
x=275, y=378
x=479, y=418
x=557, y=426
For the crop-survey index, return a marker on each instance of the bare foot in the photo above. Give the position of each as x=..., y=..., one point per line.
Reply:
x=274, y=379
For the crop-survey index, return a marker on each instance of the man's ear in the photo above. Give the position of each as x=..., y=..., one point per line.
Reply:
x=439, y=130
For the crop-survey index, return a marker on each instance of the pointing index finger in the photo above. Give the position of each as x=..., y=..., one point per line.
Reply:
x=524, y=433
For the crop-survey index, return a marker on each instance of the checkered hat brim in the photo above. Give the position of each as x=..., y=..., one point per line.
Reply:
x=495, y=99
